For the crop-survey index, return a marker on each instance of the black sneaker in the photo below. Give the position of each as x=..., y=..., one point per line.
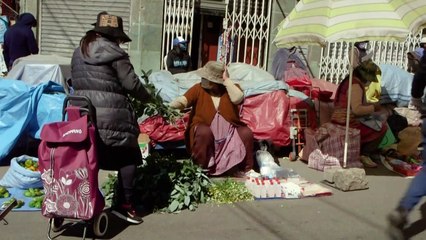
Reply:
x=127, y=213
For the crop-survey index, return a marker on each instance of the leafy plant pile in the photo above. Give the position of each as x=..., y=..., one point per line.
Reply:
x=156, y=105
x=229, y=191
x=108, y=188
x=165, y=184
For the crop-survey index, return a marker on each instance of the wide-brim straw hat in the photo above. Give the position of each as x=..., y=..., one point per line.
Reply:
x=368, y=70
x=212, y=71
x=111, y=26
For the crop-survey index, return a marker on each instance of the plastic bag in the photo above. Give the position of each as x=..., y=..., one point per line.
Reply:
x=269, y=168
x=19, y=177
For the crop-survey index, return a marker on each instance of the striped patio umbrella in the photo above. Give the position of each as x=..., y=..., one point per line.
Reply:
x=316, y=22
x=321, y=21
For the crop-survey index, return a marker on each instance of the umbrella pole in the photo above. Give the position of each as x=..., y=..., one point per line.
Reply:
x=348, y=108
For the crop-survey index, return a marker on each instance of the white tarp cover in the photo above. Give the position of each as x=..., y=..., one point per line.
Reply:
x=36, y=69
x=253, y=80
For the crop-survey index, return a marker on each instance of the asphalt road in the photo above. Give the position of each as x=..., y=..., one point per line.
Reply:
x=343, y=215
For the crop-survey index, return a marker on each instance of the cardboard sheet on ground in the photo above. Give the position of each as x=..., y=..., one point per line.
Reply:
x=18, y=194
x=290, y=188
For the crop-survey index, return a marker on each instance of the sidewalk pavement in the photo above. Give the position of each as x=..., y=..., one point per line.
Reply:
x=343, y=215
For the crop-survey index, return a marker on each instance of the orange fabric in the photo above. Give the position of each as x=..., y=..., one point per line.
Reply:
x=203, y=110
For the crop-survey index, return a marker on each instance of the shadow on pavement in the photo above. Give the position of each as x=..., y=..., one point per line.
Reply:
x=75, y=229
x=381, y=171
x=417, y=226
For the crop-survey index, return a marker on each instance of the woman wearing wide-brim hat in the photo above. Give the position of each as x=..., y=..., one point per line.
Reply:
x=216, y=138
x=102, y=71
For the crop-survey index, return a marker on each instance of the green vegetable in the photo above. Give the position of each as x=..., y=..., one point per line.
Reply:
x=4, y=193
x=156, y=105
x=36, y=202
x=19, y=204
x=2, y=190
x=165, y=184
x=33, y=192
x=229, y=191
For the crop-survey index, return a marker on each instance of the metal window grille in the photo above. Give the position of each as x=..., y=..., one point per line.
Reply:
x=247, y=22
x=334, y=64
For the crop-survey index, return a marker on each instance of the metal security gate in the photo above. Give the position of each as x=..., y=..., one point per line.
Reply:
x=63, y=22
x=247, y=24
x=334, y=65
x=178, y=21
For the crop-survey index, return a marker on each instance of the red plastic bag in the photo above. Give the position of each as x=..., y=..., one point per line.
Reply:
x=159, y=130
x=267, y=116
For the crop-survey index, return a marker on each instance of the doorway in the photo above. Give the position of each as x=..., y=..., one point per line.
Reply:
x=206, y=32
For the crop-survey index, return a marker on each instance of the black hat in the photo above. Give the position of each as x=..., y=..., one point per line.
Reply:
x=111, y=26
x=103, y=12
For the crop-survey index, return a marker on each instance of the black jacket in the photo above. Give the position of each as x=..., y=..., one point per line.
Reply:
x=178, y=62
x=19, y=40
x=106, y=77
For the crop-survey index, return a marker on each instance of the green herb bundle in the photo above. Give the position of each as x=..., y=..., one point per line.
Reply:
x=229, y=191
x=156, y=105
x=165, y=184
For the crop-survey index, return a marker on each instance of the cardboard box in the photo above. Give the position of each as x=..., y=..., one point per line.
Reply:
x=143, y=141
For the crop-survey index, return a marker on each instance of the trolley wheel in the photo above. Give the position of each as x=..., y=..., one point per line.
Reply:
x=292, y=156
x=100, y=224
x=56, y=224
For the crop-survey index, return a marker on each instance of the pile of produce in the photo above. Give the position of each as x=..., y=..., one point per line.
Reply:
x=229, y=191
x=166, y=184
x=36, y=202
x=19, y=204
x=33, y=192
x=4, y=193
x=29, y=164
x=37, y=197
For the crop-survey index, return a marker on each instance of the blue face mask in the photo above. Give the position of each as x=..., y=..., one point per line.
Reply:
x=182, y=46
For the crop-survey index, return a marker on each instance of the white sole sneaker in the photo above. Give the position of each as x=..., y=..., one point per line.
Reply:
x=126, y=218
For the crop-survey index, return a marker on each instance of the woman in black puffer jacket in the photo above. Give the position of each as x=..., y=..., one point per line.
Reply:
x=102, y=71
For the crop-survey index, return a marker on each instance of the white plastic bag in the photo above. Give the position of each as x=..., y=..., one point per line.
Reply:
x=19, y=177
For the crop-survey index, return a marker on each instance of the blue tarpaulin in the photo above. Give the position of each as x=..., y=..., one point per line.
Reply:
x=25, y=109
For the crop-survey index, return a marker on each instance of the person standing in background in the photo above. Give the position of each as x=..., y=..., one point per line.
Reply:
x=178, y=59
x=19, y=40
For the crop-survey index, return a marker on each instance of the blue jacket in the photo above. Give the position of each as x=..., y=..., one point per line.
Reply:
x=19, y=40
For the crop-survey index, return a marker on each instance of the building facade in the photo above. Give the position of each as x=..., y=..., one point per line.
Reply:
x=246, y=26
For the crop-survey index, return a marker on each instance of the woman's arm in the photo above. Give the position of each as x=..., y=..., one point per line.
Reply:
x=234, y=92
x=129, y=80
x=179, y=103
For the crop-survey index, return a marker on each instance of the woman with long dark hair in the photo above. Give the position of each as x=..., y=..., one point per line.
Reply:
x=102, y=71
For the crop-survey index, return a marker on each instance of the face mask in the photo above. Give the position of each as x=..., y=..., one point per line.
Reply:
x=182, y=46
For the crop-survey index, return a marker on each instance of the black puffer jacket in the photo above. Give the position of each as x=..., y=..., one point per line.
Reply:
x=106, y=77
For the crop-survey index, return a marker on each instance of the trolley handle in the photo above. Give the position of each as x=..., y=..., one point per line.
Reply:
x=84, y=103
